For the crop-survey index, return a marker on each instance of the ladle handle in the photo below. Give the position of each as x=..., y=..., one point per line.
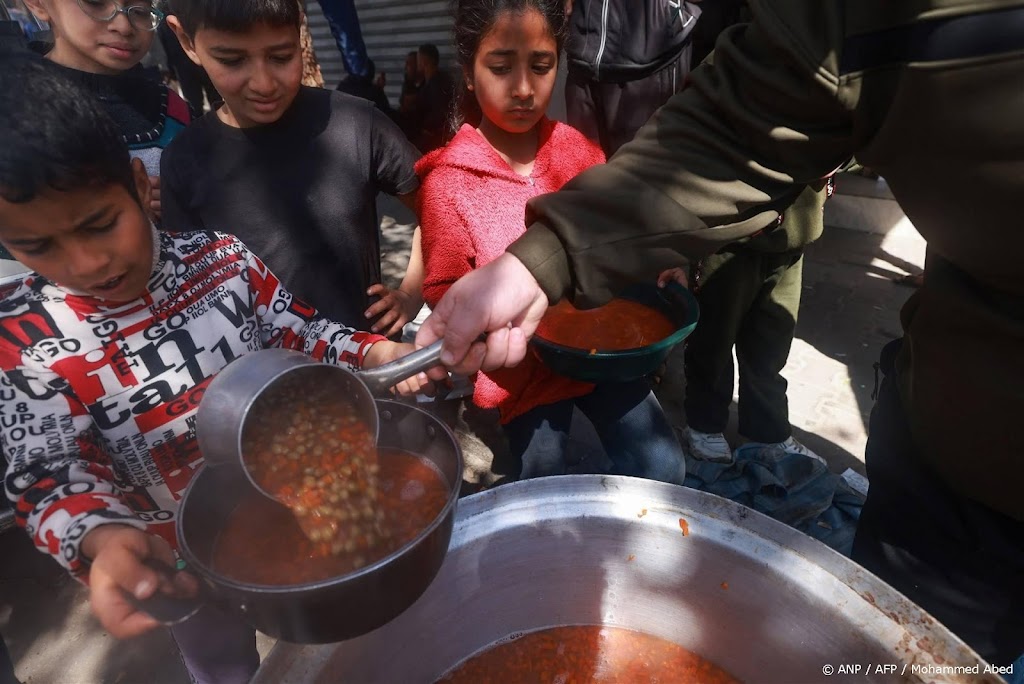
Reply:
x=166, y=609
x=382, y=378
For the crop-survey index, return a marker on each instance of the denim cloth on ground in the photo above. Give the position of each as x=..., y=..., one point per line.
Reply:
x=791, y=488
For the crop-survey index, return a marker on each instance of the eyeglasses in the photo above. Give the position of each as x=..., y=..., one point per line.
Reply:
x=142, y=17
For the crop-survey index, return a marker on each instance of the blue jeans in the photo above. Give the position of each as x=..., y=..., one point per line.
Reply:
x=629, y=420
x=344, y=22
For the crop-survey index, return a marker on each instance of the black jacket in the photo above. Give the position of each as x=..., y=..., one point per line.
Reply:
x=617, y=41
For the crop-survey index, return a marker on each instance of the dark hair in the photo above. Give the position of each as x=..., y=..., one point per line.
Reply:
x=430, y=50
x=235, y=16
x=54, y=133
x=473, y=19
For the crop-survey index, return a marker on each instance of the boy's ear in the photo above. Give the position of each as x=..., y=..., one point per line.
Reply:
x=143, y=188
x=38, y=10
x=187, y=44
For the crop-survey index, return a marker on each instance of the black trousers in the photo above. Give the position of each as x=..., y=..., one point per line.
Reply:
x=956, y=558
x=612, y=113
x=748, y=299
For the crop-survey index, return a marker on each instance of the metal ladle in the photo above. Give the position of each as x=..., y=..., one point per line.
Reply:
x=232, y=394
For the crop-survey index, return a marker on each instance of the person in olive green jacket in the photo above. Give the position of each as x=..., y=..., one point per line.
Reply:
x=929, y=95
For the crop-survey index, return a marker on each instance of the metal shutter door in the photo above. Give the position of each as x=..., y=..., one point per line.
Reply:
x=391, y=29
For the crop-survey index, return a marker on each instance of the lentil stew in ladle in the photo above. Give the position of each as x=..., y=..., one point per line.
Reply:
x=307, y=447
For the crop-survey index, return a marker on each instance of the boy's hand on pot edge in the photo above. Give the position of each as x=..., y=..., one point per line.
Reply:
x=118, y=552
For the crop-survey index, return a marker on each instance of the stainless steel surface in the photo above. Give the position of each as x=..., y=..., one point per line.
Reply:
x=760, y=599
x=339, y=607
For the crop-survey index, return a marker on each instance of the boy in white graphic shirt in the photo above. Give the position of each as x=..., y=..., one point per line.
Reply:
x=107, y=347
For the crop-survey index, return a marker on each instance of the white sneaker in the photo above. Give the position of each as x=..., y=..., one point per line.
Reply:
x=708, y=446
x=792, y=446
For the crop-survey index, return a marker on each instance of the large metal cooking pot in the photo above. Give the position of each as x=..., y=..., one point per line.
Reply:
x=758, y=598
x=340, y=607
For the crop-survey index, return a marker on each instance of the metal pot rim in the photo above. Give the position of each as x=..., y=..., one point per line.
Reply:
x=888, y=603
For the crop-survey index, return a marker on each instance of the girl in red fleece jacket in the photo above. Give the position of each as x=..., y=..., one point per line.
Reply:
x=472, y=205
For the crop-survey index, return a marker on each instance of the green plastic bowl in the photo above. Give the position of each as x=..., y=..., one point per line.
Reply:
x=674, y=301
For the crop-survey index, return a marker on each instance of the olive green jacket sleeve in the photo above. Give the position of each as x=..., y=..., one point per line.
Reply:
x=717, y=163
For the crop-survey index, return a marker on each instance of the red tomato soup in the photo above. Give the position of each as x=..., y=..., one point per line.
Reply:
x=262, y=543
x=581, y=655
x=620, y=324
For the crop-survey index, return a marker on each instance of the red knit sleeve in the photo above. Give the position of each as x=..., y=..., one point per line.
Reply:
x=448, y=248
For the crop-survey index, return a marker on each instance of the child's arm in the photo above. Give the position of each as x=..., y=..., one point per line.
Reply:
x=118, y=552
x=290, y=323
x=61, y=483
x=393, y=172
x=412, y=283
x=58, y=476
x=397, y=307
x=393, y=158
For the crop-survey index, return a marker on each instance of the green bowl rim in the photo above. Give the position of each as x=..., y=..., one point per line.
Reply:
x=681, y=333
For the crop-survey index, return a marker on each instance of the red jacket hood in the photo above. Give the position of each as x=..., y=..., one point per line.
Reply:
x=470, y=153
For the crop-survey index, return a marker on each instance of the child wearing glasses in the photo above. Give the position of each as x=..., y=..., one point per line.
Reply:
x=100, y=44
